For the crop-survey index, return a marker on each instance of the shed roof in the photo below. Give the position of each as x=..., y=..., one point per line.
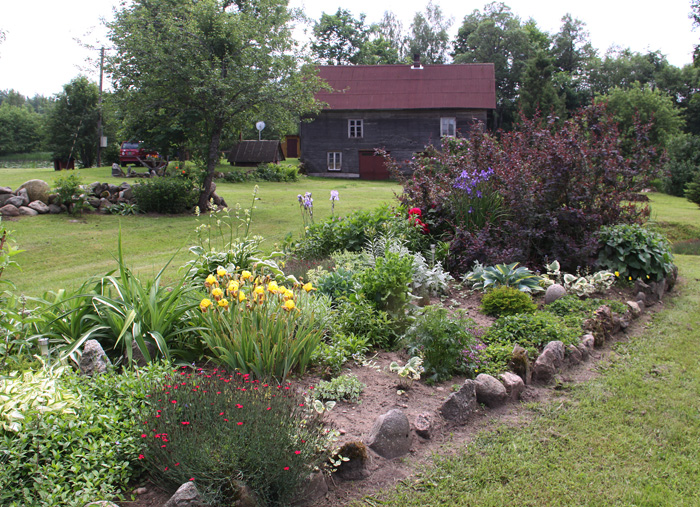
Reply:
x=256, y=152
x=469, y=86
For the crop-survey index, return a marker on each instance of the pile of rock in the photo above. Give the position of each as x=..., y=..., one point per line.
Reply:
x=35, y=198
x=31, y=198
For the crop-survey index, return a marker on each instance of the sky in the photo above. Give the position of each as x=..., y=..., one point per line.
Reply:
x=44, y=42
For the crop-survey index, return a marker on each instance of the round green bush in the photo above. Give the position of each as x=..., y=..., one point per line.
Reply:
x=634, y=252
x=507, y=301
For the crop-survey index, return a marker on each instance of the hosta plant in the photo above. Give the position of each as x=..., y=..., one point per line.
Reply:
x=408, y=372
x=36, y=392
x=635, y=252
x=504, y=275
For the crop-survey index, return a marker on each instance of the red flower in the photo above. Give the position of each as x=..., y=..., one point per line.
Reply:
x=143, y=435
x=297, y=452
x=415, y=211
x=240, y=423
x=286, y=468
x=173, y=401
x=141, y=456
x=185, y=423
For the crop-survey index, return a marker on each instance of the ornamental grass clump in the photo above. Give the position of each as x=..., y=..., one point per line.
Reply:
x=254, y=325
x=219, y=429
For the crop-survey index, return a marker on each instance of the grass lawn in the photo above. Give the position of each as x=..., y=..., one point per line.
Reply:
x=629, y=437
x=61, y=251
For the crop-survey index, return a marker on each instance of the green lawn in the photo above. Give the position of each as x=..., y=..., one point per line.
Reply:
x=61, y=251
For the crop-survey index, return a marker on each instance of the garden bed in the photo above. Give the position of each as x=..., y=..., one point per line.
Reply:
x=354, y=421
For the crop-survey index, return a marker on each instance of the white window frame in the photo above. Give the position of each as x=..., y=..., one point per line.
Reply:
x=356, y=128
x=334, y=160
x=445, y=123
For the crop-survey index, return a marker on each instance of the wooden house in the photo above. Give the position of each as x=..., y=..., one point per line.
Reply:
x=398, y=108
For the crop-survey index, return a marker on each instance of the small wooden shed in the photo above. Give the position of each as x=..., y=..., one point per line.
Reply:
x=254, y=153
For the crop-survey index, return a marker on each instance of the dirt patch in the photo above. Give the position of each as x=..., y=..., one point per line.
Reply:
x=355, y=420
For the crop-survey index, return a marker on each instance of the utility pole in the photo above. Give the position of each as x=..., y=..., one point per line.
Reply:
x=99, y=106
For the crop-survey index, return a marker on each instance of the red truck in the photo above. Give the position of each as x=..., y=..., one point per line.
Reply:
x=131, y=152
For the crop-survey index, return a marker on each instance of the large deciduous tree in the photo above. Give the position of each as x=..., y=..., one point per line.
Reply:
x=497, y=36
x=428, y=35
x=72, y=122
x=208, y=68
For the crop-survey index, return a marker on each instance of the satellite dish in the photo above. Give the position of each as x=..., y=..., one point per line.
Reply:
x=260, y=126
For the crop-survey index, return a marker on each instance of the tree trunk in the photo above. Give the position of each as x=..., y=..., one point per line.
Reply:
x=212, y=160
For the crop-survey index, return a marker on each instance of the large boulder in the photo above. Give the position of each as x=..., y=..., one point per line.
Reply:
x=24, y=210
x=514, y=385
x=460, y=405
x=16, y=201
x=355, y=468
x=22, y=194
x=549, y=362
x=5, y=190
x=390, y=436
x=185, y=496
x=490, y=391
x=9, y=210
x=553, y=293
x=4, y=198
x=37, y=190
x=39, y=206
x=94, y=360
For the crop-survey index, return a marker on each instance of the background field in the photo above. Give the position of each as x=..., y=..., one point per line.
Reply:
x=61, y=251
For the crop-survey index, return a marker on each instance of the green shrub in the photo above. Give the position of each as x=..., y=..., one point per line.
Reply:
x=349, y=233
x=531, y=330
x=276, y=172
x=572, y=305
x=360, y=317
x=237, y=176
x=447, y=345
x=337, y=283
x=215, y=428
x=692, y=189
x=67, y=188
x=344, y=387
x=386, y=285
x=72, y=460
x=495, y=358
x=635, y=252
x=166, y=195
x=333, y=355
x=507, y=301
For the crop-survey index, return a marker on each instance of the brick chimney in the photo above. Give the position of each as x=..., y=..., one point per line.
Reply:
x=416, y=61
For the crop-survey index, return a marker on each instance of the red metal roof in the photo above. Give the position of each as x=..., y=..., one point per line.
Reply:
x=470, y=86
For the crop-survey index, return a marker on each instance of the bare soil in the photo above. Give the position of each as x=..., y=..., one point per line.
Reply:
x=354, y=420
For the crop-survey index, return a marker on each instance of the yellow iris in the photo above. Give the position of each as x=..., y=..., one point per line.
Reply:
x=308, y=287
x=232, y=287
x=210, y=281
x=246, y=275
x=223, y=303
x=221, y=272
x=205, y=303
x=288, y=294
x=217, y=293
x=241, y=297
x=273, y=287
x=289, y=305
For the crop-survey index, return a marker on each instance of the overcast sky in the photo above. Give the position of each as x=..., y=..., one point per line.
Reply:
x=41, y=52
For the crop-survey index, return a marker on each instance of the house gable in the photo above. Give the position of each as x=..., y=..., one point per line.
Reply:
x=398, y=108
